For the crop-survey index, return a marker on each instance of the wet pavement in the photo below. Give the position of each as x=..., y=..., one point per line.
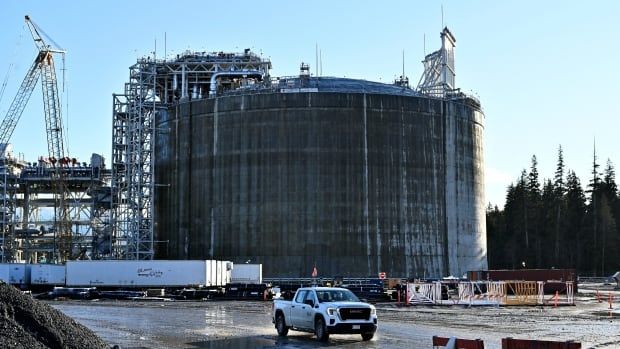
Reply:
x=247, y=324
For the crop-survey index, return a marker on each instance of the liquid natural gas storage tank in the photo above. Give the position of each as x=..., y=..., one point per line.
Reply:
x=352, y=176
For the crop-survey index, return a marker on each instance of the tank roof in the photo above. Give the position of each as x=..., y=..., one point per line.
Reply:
x=301, y=84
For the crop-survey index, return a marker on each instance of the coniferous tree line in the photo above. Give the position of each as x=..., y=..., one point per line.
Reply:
x=557, y=223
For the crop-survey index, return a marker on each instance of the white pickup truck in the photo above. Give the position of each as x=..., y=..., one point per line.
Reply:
x=324, y=311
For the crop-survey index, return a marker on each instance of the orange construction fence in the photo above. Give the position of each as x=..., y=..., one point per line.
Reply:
x=507, y=343
x=510, y=343
x=439, y=342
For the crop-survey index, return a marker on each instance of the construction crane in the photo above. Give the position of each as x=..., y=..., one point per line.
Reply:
x=43, y=66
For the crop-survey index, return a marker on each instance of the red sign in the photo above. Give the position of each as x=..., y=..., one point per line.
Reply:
x=382, y=275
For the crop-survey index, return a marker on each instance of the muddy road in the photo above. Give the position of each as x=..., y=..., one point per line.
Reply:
x=247, y=324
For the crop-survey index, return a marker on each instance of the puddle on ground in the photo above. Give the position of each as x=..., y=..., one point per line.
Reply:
x=265, y=342
x=607, y=314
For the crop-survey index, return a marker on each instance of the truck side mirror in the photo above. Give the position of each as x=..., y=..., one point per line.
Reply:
x=309, y=302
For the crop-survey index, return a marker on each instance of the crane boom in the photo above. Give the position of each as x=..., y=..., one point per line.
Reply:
x=55, y=140
x=43, y=67
x=49, y=85
x=19, y=103
x=51, y=106
x=37, y=36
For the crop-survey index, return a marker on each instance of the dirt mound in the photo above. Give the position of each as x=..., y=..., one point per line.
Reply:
x=28, y=323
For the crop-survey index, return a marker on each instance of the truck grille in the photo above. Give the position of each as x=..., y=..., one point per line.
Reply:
x=354, y=313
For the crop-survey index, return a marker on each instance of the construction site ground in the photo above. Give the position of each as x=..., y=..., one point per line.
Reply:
x=247, y=324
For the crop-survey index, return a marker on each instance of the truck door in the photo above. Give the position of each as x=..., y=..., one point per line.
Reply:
x=307, y=317
x=298, y=309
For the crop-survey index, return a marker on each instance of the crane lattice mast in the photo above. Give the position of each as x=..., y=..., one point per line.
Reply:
x=43, y=66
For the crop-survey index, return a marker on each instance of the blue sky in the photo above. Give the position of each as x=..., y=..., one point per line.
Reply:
x=545, y=72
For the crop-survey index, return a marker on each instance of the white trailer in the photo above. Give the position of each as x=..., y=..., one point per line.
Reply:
x=47, y=274
x=15, y=273
x=247, y=274
x=4, y=273
x=147, y=273
x=227, y=268
x=19, y=273
x=218, y=272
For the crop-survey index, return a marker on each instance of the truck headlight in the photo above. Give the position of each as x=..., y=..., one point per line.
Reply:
x=373, y=311
x=331, y=311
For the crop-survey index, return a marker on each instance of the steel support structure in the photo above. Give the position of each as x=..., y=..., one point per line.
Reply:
x=132, y=166
x=437, y=80
x=8, y=186
x=36, y=238
x=153, y=86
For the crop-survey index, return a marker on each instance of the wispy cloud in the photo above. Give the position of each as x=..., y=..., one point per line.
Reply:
x=496, y=176
x=496, y=183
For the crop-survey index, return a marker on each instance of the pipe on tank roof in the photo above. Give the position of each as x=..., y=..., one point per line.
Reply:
x=244, y=73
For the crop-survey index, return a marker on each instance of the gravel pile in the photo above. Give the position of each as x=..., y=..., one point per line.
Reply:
x=28, y=323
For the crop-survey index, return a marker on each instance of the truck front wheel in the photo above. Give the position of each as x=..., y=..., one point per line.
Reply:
x=367, y=336
x=281, y=326
x=320, y=330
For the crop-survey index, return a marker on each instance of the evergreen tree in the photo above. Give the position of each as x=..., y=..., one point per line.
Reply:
x=558, y=226
x=559, y=209
x=609, y=218
x=608, y=237
x=575, y=246
x=547, y=226
x=593, y=244
x=496, y=238
x=609, y=181
x=559, y=172
x=510, y=241
x=533, y=183
x=534, y=216
x=515, y=215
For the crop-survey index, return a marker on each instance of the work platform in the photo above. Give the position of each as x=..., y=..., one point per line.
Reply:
x=27, y=220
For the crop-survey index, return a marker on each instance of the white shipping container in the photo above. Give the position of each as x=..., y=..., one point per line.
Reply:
x=19, y=273
x=47, y=274
x=211, y=273
x=247, y=274
x=229, y=267
x=220, y=273
x=155, y=273
x=224, y=269
x=4, y=273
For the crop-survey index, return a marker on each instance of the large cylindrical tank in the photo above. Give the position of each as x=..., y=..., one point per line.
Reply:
x=355, y=183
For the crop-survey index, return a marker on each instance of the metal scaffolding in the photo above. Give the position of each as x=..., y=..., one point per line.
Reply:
x=132, y=166
x=9, y=175
x=28, y=220
x=155, y=85
x=438, y=77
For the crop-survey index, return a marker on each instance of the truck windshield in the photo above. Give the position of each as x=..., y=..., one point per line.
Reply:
x=326, y=296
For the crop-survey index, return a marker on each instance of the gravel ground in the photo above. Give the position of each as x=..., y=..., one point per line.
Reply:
x=247, y=324
x=31, y=324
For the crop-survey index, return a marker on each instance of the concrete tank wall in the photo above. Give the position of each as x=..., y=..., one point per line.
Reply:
x=354, y=183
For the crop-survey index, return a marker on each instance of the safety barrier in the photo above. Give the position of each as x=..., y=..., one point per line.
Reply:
x=482, y=293
x=423, y=293
x=522, y=293
x=489, y=293
x=458, y=343
x=510, y=343
x=497, y=291
x=561, y=297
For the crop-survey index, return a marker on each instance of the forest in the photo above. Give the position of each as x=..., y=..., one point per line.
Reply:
x=558, y=223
